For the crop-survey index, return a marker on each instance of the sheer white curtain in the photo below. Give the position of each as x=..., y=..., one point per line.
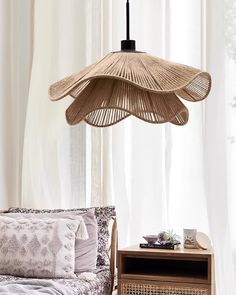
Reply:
x=230, y=79
x=16, y=18
x=176, y=177
x=158, y=177
x=159, y=170
x=62, y=164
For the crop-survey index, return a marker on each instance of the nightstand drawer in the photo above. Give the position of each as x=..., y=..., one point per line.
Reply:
x=138, y=287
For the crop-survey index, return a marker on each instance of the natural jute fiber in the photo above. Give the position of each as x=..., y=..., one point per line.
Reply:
x=131, y=83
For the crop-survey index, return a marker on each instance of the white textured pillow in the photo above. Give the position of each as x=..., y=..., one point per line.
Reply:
x=39, y=248
x=86, y=250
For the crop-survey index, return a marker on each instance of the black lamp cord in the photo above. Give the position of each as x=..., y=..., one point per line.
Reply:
x=127, y=21
x=128, y=45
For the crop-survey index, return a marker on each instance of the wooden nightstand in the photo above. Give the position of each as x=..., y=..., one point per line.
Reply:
x=165, y=272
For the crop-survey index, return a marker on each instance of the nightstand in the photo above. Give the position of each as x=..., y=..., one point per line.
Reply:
x=165, y=272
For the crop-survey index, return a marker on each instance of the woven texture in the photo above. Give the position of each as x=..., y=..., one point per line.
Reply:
x=124, y=84
x=147, y=289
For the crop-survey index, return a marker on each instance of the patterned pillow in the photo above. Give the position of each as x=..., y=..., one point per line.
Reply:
x=103, y=215
x=85, y=251
x=39, y=248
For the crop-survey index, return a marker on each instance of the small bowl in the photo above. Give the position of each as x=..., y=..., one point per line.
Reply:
x=151, y=239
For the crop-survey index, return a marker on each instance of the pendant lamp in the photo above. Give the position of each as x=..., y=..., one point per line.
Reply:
x=130, y=82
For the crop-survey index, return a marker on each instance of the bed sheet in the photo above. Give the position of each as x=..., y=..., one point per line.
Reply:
x=83, y=284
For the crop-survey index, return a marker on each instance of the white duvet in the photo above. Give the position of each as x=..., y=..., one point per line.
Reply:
x=33, y=287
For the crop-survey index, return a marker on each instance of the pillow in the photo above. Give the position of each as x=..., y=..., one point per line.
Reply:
x=85, y=250
x=42, y=248
x=103, y=216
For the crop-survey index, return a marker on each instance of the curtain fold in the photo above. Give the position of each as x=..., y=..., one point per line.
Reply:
x=16, y=46
x=216, y=171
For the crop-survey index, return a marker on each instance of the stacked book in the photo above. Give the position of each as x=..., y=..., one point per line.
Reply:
x=170, y=246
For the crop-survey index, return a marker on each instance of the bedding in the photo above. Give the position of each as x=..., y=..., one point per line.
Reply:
x=33, y=287
x=96, y=282
x=33, y=247
x=81, y=285
x=85, y=250
x=103, y=216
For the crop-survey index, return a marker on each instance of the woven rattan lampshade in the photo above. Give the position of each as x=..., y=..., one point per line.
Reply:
x=135, y=83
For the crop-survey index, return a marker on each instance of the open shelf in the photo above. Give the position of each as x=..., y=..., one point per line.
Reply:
x=197, y=269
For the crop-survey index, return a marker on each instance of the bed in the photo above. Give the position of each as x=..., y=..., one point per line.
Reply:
x=97, y=282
